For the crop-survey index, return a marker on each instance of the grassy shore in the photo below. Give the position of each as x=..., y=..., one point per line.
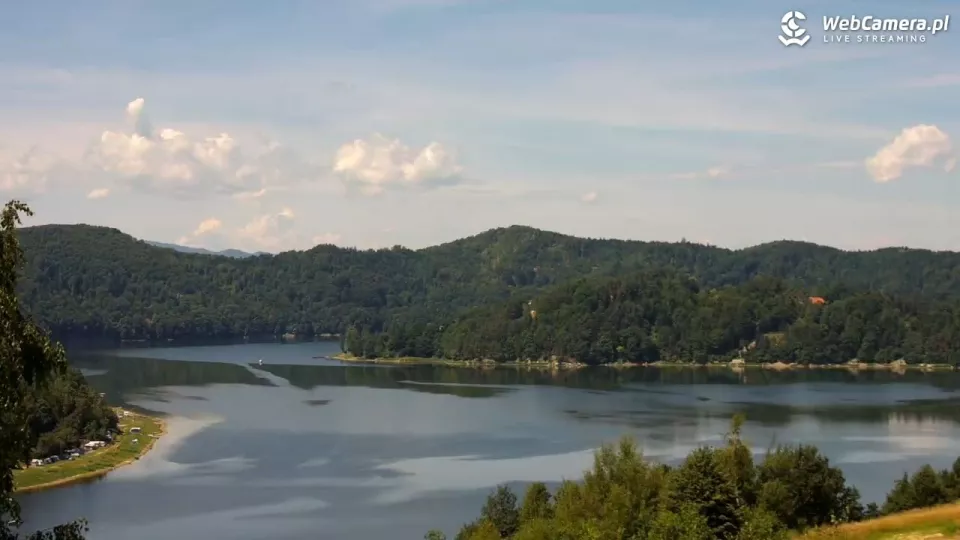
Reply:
x=96, y=463
x=940, y=522
x=779, y=366
x=413, y=361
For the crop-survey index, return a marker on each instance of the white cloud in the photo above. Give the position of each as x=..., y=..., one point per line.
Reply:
x=27, y=171
x=170, y=161
x=206, y=227
x=135, y=107
x=380, y=163
x=589, y=197
x=98, y=193
x=326, y=238
x=718, y=171
x=918, y=146
x=269, y=232
x=141, y=126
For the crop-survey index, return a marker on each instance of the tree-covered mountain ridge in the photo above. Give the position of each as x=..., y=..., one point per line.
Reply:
x=89, y=280
x=662, y=316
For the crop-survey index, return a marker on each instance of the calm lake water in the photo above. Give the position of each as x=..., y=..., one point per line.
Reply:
x=307, y=448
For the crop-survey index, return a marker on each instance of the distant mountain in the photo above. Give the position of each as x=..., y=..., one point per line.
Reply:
x=232, y=253
x=96, y=281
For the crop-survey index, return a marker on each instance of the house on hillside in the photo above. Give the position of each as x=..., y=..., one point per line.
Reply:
x=818, y=300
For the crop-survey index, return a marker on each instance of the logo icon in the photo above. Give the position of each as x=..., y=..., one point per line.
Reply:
x=793, y=34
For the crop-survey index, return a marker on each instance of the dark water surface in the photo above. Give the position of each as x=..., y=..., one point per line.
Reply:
x=308, y=448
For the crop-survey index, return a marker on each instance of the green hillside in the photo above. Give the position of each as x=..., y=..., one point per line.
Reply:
x=95, y=281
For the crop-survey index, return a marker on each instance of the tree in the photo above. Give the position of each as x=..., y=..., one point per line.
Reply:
x=536, y=503
x=736, y=458
x=26, y=357
x=801, y=488
x=759, y=524
x=900, y=498
x=686, y=523
x=501, y=510
x=536, y=529
x=925, y=488
x=928, y=488
x=483, y=529
x=702, y=482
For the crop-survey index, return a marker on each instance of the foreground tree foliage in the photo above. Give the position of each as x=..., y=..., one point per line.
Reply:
x=926, y=487
x=716, y=493
x=662, y=316
x=27, y=359
x=83, y=281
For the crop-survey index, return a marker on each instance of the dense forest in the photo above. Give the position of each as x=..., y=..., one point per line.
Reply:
x=65, y=411
x=716, y=493
x=662, y=316
x=89, y=281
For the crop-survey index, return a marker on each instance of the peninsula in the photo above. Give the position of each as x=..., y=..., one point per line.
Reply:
x=134, y=437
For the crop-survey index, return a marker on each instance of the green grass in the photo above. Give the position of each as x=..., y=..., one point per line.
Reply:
x=96, y=463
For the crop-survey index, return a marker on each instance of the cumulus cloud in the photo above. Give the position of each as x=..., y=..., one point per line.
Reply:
x=141, y=126
x=379, y=163
x=26, y=171
x=918, y=146
x=171, y=161
x=589, y=197
x=269, y=232
x=206, y=227
x=98, y=193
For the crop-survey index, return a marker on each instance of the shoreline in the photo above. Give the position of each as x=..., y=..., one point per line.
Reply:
x=776, y=366
x=99, y=473
x=476, y=364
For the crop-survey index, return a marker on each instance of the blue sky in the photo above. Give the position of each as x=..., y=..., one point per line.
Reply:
x=369, y=123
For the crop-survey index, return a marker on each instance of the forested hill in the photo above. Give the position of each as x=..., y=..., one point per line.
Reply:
x=90, y=280
x=662, y=316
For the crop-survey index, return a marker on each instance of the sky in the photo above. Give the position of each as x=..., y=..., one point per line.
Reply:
x=370, y=123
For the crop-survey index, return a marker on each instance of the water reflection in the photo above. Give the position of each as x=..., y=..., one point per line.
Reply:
x=356, y=451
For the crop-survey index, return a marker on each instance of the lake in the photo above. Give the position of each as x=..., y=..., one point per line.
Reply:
x=308, y=448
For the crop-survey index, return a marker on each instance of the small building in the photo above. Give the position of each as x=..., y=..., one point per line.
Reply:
x=818, y=300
